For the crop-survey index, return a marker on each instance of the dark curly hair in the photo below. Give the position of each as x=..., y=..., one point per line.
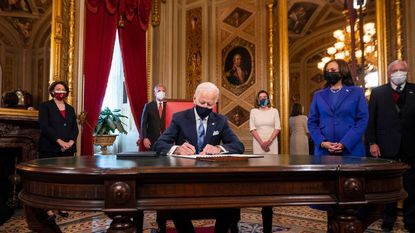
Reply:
x=53, y=85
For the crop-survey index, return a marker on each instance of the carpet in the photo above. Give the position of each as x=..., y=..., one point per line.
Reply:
x=294, y=219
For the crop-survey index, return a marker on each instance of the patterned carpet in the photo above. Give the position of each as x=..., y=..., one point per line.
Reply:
x=285, y=220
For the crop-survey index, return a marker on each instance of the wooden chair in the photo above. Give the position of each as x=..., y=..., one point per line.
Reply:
x=172, y=106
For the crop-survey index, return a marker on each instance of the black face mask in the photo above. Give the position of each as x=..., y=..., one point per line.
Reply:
x=202, y=111
x=332, y=77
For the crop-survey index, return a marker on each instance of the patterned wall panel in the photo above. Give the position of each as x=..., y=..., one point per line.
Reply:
x=193, y=49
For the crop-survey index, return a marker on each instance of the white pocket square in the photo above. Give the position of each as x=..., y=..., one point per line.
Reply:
x=216, y=132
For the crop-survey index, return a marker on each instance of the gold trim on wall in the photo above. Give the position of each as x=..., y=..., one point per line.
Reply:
x=382, y=40
x=62, y=49
x=398, y=29
x=270, y=7
x=149, y=34
x=283, y=68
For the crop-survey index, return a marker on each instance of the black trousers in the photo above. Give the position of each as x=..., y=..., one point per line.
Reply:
x=390, y=212
x=225, y=218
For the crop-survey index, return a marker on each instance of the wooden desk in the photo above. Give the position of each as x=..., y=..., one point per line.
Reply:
x=125, y=187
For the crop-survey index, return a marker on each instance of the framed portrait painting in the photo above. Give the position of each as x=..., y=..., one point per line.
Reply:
x=238, y=66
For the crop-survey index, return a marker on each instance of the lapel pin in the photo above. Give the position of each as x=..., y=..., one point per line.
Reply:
x=213, y=123
x=347, y=90
x=411, y=92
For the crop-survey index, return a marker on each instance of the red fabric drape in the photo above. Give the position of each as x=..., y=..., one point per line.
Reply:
x=99, y=46
x=133, y=50
x=101, y=25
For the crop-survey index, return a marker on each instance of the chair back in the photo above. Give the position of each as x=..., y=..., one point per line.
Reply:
x=172, y=106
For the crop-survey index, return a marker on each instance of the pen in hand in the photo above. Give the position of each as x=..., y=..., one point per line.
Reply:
x=186, y=149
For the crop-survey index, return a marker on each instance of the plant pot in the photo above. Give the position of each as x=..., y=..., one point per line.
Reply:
x=103, y=141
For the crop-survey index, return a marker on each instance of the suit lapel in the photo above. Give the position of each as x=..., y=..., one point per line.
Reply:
x=409, y=96
x=342, y=95
x=191, y=123
x=211, y=126
x=326, y=96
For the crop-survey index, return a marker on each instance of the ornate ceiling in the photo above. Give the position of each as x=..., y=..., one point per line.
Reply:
x=23, y=16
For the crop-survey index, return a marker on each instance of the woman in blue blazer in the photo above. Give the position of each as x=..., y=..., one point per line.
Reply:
x=338, y=114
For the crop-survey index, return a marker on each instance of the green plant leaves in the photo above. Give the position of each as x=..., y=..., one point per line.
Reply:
x=109, y=121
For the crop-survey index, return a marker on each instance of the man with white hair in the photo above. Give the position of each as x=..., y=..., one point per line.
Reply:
x=200, y=131
x=391, y=135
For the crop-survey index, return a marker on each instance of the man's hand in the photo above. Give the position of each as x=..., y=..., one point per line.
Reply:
x=185, y=149
x=374, y=150
x=210, y=150
x=147, y=143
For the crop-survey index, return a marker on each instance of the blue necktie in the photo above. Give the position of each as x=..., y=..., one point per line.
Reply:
x=200, y=136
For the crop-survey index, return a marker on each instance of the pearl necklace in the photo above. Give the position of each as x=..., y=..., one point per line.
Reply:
x=334, y=91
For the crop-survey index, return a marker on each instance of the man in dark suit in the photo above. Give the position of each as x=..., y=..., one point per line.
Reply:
x=391, y=135
x=152, y=120
x=200, y=131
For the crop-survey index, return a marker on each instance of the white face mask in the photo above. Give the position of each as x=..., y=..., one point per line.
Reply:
x=399, y=77
x=160, y=95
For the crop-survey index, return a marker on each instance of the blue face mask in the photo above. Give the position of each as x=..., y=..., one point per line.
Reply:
x=263, y=102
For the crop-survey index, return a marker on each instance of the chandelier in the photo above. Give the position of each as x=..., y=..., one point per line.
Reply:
x=341, y=49
x=356, y=44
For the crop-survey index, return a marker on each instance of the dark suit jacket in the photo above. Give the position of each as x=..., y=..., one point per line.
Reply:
x=151, y=123
x=345, y=122
x=183, y=128
x=392, y=129
x=53, y=127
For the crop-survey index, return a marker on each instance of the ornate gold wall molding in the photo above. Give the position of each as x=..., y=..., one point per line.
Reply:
x=62, y=42
x=283, y=74
x=270, y=8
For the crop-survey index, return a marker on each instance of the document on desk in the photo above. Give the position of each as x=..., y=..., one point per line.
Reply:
x=220, y=157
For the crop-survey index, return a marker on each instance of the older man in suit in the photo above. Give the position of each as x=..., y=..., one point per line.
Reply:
x=152, y=119
x=391, y=135
x=200, y=131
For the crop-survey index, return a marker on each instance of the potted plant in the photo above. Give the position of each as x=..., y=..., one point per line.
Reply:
x=108, y=122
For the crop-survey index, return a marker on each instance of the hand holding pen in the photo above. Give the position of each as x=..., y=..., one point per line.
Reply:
x=185, y=149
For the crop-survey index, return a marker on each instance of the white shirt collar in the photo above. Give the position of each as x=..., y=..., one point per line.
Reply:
x=394, y=86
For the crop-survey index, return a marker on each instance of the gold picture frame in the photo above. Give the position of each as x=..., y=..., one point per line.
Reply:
x=61, y=51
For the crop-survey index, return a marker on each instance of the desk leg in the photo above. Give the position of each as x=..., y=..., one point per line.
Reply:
x=344, y=220
x=121, y=223
x=35, y=219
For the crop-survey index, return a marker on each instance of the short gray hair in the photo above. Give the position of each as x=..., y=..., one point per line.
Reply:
x=157, y=86
x=207, y=86
x=397, y=62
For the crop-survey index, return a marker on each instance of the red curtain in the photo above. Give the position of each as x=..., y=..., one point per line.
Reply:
x=133, y=50
x=99, y=46
x=101, y=25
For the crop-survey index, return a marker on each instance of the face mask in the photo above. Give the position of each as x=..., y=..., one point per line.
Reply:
x=59, y=95
x=160, y=95
x=202, y=111
x=332, y=77
x=263, y=102
x=399, y=77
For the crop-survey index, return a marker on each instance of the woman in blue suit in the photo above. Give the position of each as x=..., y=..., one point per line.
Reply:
x=338, y=114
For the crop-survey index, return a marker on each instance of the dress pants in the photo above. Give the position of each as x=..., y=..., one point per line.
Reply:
x=225, y=218
x=390, y=212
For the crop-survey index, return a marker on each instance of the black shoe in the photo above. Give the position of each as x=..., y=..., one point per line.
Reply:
x=386, y=229
x=63, y=214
